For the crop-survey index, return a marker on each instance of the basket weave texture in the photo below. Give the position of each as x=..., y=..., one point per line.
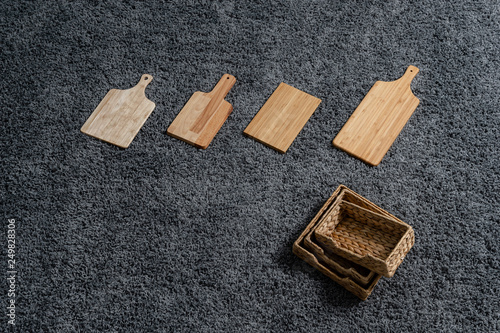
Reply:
x=376, y=242
x=355, y=272
x=299, y=248
x=343, y=276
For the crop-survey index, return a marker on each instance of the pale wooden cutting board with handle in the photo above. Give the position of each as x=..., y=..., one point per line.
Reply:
x=377, y=121
x=203, y=115
x=282, y=117
x=121, y=114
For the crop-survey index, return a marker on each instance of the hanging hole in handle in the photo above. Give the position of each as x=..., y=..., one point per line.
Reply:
x=146, y=78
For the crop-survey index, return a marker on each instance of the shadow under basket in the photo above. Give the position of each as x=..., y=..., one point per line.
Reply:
x=371, y=240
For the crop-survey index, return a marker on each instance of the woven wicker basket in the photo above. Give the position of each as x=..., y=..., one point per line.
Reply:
x=376, y=242
x=357, y=273
x=300, y=250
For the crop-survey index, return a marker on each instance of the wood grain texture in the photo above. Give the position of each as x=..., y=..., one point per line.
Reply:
x=282, y=117
x=377, y=121
x=203, y=115
x=120, y=115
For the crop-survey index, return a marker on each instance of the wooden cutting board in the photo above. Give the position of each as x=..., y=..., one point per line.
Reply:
x=282, y=117
x=203, y=115
x=377, y=121
x=121, y=114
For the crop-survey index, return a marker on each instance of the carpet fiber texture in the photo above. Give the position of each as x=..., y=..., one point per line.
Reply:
x=164, y=237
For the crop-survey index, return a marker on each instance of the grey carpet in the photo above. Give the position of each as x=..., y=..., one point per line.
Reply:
x=164, y=237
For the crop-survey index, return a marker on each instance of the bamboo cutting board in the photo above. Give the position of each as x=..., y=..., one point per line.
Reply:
x=377, y=121
x=282, y=117
x=120, y=115
x=203, y=115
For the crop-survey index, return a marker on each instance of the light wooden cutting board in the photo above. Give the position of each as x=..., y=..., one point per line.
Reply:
x=282, y=117
x=203, y=115
x=377, y=121
x=120, y=115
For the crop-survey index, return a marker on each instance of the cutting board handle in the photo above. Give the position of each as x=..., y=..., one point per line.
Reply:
x=410, y=73
x=145, y=80
x=223, y=87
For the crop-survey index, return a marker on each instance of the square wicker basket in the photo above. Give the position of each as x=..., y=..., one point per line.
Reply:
x=371, y=240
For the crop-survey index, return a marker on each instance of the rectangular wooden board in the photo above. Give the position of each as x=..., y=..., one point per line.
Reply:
x=377, y=121
x=282, y=117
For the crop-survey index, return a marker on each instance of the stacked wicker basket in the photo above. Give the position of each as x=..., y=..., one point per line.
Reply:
x=354, y=242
